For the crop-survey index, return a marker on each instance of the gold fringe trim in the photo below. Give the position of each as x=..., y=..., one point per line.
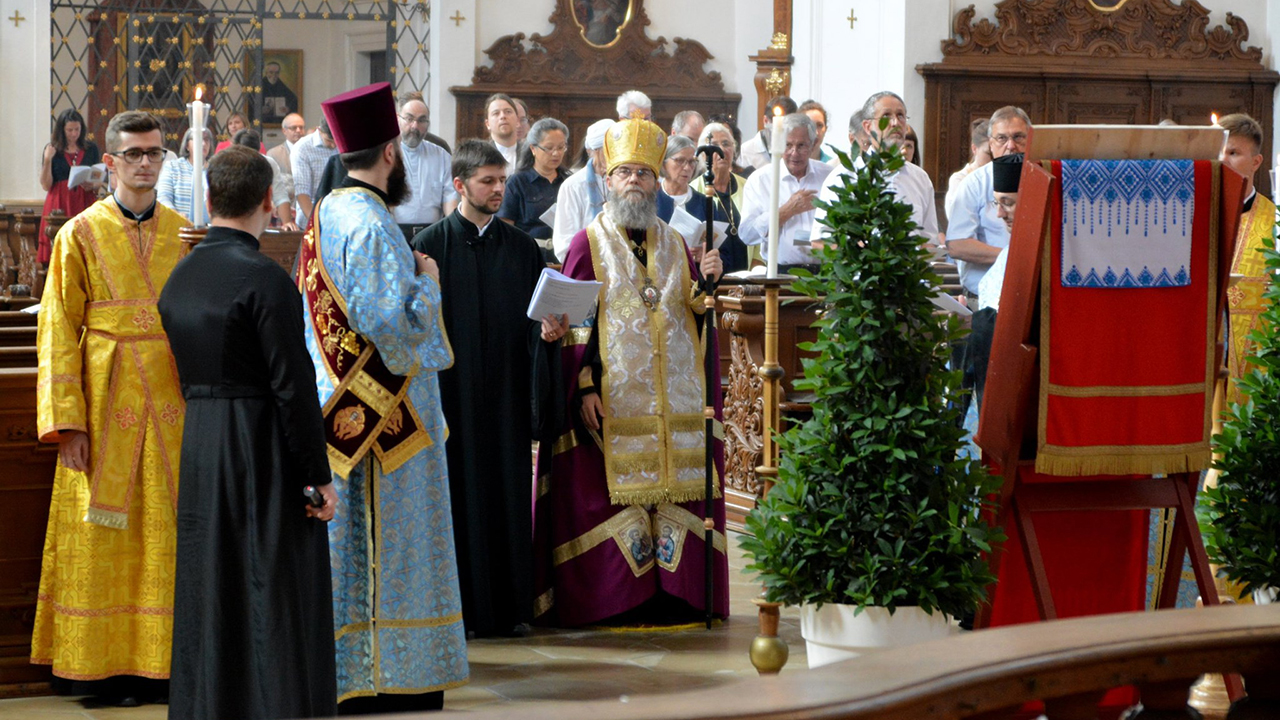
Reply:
x=107, y=518
x=576, y=336
x=681, y=627
x=1051, y=462
x=653, y=496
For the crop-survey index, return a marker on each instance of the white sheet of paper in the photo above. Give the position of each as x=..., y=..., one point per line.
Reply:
x=33, y=309
x=757, y=271
x=549, y=217
x=689, y=227
x=559, y=294
x=82, y=174
x=950, y=304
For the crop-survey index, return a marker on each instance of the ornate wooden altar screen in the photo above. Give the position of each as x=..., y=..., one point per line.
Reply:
x=1012, y=427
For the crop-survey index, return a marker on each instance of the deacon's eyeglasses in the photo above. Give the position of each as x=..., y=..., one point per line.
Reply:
x=133, y=156
x=626, y=173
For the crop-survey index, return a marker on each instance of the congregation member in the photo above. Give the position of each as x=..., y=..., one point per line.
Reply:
x=67, y=148
x=503, y=123
x=802, y=179
x=688, y=123
x=974, y=233
x=726, y=203
x=910, y=183
x=1243, y=153
x=859, y=140
x=818, y=114
x=677, y=170
x=619, y=508
x=252, y=618
x=1006, y=176
x=755, y=150
x=581, y=197
x=293, y=128
x=488, y=272
x=309, y=157
x=426, y=165
x=533, y=189
x=173, y=186
x=522, y=113
x=108, y=395
x=632, y=102
x=910, y=147
x=281, y=185
x=979, y=155
x=235, y=124
x=373, y=311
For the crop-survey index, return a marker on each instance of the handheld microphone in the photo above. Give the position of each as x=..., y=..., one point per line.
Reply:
x=314, y=497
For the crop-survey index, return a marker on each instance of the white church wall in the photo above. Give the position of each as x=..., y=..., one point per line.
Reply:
x=26, y=121
x=330, y=55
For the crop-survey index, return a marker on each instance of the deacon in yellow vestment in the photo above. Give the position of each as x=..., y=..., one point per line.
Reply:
x=105, y=604
x=1244, y=297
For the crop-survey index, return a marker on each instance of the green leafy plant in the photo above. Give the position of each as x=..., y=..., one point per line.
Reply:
x=1240, y=518
x=873, y=507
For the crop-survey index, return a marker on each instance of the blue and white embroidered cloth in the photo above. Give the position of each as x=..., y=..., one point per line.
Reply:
x=1127, y=223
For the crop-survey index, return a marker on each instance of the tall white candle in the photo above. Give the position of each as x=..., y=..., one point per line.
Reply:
x=776, y=147
x=199, y=115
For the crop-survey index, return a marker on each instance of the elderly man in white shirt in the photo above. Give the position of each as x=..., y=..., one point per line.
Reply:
x=974, y=234
x=911, y=184
x=427, y=170
x=801, y=180
x=582, y=195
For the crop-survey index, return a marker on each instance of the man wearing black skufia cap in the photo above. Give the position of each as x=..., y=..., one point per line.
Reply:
x=1006, y=172
x=377, y=339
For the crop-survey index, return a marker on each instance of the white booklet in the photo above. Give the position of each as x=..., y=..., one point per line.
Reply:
x=692, y=229
x=83, y=174
x=549, y=217
x=944, y=301
x=559, y=294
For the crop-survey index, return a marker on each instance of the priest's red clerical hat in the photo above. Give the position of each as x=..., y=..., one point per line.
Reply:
x=362, y=118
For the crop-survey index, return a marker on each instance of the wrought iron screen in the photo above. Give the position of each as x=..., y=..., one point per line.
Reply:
x=118, y=55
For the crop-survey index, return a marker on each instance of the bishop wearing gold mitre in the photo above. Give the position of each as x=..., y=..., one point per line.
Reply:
x=618, y=519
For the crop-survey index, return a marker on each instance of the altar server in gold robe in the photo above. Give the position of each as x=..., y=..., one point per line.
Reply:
x=1243, y=153
x=108, y=394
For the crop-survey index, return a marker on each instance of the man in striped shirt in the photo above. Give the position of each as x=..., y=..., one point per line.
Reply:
x=309, y=157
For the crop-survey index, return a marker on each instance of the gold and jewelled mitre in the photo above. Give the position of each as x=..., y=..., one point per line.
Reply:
x=635, y=141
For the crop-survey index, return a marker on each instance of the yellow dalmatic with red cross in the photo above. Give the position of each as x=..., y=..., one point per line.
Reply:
x=105, y=603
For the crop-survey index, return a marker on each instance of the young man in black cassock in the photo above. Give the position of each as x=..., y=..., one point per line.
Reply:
x=488, y=272
x=253, y=606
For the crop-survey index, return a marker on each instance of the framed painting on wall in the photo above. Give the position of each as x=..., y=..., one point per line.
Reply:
x=281, y=79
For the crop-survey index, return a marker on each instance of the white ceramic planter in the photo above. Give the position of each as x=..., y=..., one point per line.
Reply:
x=1266, y=596
x=834, y=633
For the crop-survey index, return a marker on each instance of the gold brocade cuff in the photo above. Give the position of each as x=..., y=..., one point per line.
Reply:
x=585, y=381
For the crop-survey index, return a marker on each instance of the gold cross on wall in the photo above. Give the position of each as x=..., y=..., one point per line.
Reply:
x=457, y=18
x=852, y=19
x=16, y=18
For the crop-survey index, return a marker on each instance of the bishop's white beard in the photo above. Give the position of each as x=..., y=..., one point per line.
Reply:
x=633, y=209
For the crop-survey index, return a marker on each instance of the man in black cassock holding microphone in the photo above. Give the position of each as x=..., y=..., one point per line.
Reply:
x=253, y=602
x=492, y=394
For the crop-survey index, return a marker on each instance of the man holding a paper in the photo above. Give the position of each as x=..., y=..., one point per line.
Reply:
x=627, y=465
x=488, y=271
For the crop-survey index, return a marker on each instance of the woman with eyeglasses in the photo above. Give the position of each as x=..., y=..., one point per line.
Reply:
x=173, y=188
x=66, y=149
x=532, y=190
x=727, y=201
x=677, y=169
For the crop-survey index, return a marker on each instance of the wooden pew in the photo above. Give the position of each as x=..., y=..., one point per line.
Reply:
x=988, y=674
x=25, y=487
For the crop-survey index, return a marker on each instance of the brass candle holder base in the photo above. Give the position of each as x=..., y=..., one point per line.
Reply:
x=769, y=653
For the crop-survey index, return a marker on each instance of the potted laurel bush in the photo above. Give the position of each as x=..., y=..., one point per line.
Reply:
x=1240, y=518
x=875, y=522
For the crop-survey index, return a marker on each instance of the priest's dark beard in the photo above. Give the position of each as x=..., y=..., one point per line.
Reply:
x=397, y=184
x=633, y=209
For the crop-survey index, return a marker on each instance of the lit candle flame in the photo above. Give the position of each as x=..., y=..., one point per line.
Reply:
x=200, y=91
x=777, y=111
x=1213, y=118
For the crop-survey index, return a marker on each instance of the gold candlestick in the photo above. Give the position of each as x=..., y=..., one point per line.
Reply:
x=772, y=373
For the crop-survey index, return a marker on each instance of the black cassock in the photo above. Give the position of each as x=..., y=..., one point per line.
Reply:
x=253, y=606
x=500, y=364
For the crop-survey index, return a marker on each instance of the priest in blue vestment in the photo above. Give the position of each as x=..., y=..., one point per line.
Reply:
x=377, y=339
